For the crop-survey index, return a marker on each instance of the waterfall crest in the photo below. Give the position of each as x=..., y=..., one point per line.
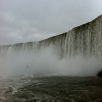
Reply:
x=84, y=40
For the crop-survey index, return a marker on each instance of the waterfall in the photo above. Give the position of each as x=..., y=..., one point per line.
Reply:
x=84, y=40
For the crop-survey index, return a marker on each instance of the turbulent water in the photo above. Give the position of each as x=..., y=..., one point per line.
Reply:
x=51, y=89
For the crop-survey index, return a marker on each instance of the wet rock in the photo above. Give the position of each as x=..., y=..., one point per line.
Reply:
x=99, y=74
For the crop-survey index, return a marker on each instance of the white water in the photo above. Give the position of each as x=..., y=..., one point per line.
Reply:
x=75, y=53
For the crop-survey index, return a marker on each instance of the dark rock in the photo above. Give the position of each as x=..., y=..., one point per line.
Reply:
x=99, y=74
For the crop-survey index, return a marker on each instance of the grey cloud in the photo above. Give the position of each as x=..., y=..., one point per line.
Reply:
x=32, y=20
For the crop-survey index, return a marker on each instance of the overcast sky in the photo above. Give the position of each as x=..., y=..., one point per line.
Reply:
x=33, y=20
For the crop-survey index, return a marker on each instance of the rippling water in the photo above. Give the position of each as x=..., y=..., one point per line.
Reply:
x=50, y=89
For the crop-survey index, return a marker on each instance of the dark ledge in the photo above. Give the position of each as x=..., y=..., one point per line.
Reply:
x=99, y=74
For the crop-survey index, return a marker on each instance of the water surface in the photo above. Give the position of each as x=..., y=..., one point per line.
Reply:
x=51, y=89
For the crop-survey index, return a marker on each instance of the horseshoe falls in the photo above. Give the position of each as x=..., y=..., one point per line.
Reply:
x=77, y=52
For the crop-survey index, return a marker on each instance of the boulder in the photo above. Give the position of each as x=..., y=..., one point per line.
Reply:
x=99, y=74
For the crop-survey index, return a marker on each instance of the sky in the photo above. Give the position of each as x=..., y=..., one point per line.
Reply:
x=34, y=20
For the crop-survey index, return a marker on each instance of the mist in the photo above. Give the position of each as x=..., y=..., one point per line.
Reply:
x=46, y=62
